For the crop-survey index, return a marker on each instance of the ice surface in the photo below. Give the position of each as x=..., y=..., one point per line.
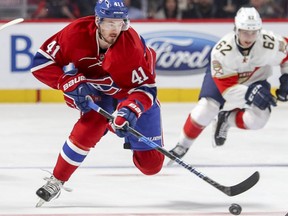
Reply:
x=107, y=183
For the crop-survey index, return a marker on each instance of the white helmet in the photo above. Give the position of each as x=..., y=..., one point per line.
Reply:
x=247, y=18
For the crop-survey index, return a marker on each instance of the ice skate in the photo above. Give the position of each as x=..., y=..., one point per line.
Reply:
x=51, y=190
x=178, y=151
x=221, y=128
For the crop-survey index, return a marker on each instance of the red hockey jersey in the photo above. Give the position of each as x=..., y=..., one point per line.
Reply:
x=126, y=69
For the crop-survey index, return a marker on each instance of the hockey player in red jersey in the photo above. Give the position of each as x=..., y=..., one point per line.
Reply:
x=112, y=63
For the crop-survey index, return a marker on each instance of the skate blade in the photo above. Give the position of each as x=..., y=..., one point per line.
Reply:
x=170, y=163
x=40, y=203
x=213, y=143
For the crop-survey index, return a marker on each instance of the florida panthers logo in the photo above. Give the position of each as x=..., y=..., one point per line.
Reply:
x=105, y=85
x=217, y=68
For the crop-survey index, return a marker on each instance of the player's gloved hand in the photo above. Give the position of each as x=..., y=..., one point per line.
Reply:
x=127, y=115
x=282, y=92
x=260, y=96
x=75, y=88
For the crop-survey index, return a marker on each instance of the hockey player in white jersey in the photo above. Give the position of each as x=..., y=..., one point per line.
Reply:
x=236, y=87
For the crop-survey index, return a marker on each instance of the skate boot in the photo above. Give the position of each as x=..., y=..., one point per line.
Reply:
x=178, y=151
x=51, y=190
x=221, y=128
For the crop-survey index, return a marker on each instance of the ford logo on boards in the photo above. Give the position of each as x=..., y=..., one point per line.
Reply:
x=182, y=52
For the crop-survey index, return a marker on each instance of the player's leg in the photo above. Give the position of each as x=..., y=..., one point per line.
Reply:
x=252, y=118
x=86, y=133
x=75, y=149
x=148, y=162
x=146, y=159
x=222, y=124
x=200, y=116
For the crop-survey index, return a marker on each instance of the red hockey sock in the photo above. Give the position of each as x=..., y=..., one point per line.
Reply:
x=239, y=119
x=63, y=170
x=69, y=160
x=192, y=129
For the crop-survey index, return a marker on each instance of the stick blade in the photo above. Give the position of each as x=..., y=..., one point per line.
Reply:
x=245, y=185
x=15, y=21
x=12, y=22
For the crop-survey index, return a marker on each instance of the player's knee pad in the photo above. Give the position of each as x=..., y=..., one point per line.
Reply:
x=204, y=111
x=255, y=118
x=148, y=162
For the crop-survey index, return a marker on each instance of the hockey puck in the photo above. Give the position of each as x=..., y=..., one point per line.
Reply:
x=235, y=209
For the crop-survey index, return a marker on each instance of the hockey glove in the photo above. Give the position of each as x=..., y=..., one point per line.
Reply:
x=75, y=89
x=282, y=92
x=260, y=96
x=127, y=115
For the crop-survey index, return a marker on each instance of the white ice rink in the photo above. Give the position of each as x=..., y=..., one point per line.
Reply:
x=107, y=183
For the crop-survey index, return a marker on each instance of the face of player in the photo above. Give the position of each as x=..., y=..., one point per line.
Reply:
x=111, y=29
x=247, y=38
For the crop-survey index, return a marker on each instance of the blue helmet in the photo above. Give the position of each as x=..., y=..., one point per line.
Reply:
x=114, y=9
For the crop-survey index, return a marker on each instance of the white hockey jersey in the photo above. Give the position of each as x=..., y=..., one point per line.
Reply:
x=233, y=72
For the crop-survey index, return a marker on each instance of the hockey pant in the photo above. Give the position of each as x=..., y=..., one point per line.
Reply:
x=92, y=126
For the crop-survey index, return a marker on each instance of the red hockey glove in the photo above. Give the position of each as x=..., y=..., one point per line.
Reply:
x=75, y=89
x=127, y=115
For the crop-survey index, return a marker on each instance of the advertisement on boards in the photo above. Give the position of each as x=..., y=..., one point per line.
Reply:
x=182, y=50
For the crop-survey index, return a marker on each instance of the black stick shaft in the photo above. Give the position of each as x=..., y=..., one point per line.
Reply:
x=230, y=191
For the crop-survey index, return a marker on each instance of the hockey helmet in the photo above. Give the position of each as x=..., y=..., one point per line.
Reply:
x=114, y=9
x=248, y=18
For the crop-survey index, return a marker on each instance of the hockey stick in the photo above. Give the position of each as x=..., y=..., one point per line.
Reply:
x=12, y=22
x=228, y=190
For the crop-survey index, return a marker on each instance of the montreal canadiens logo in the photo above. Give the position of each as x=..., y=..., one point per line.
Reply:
x=182, y=52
